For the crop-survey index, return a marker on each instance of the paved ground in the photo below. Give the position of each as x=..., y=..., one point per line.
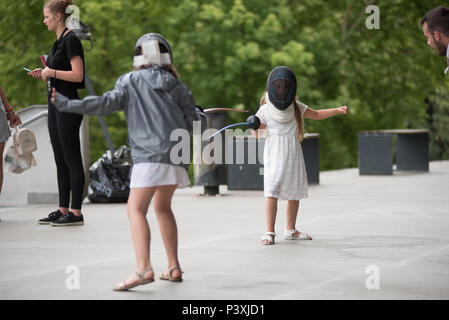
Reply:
x=387, y=233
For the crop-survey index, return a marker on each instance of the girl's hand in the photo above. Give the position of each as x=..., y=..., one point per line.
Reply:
x=46, y=74
x=342, y=110
x=14, y=119
x=36, y=73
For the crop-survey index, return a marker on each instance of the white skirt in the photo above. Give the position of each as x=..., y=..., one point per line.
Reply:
x=151, y=174
x=285, y=175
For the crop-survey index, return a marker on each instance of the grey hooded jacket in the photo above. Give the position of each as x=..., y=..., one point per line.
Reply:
x=154, y=102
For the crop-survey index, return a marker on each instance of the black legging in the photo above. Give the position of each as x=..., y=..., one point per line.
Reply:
x=64, y=136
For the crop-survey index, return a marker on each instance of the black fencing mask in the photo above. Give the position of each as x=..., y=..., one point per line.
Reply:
x=281, y=87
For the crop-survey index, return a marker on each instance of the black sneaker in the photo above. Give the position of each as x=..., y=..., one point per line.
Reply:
x=68, y=219
x=55, y=215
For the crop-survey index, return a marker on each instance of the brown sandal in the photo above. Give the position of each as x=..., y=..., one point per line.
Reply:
x=170, y=278
x=122, y=286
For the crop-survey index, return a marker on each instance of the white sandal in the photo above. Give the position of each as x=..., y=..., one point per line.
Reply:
x=269, y=236
x=289, y=235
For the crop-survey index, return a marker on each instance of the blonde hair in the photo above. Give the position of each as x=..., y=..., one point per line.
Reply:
x=59, y=6
x=298, y=116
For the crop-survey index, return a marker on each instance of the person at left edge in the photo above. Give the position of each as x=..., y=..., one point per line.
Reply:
x=65, y=72
x=7, y=114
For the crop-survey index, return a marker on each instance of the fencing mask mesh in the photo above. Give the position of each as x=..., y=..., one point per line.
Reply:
x=281, y=87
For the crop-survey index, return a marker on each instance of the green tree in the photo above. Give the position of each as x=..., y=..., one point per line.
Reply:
x=438, y=122
x=224, y=50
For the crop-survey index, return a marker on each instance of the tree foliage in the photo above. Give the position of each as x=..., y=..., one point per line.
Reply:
x=225, y=49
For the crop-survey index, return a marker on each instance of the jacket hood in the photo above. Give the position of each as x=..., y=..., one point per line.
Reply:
x=158, y=78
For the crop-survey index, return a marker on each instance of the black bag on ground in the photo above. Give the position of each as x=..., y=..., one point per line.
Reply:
x=109, y=177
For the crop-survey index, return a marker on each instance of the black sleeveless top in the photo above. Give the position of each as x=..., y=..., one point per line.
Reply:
x=65, y=48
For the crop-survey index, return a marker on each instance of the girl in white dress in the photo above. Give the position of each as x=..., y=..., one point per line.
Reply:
x=282, y=114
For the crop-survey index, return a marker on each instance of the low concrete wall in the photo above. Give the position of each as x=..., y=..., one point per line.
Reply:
x=39, y=184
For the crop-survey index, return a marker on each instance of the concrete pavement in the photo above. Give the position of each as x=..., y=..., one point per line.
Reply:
x=375, y=237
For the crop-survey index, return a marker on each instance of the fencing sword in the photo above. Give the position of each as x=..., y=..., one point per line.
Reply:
x=252, y=122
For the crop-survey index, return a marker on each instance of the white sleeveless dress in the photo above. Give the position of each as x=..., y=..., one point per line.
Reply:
x=285, y=174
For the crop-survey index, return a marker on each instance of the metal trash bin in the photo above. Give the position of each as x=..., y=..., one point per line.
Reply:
x=245, y=168
x=211, y=175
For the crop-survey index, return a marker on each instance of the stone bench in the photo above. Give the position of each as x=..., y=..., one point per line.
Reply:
x=375, y=151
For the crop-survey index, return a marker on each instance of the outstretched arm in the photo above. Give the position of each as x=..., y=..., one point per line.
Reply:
x=104, y=105
x=324, y=113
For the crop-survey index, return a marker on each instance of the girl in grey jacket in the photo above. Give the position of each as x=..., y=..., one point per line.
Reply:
x=155, y=103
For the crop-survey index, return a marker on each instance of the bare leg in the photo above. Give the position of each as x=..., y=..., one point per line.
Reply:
x=2, y=147
x=63, y=210
x=292, y=213
x=167, y=225
x=76, y=212
x=138, y=203
x=271, y=208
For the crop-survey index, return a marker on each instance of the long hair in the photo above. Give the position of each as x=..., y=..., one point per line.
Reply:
x=59, y=6
x=298, y=117
x=169, y=67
